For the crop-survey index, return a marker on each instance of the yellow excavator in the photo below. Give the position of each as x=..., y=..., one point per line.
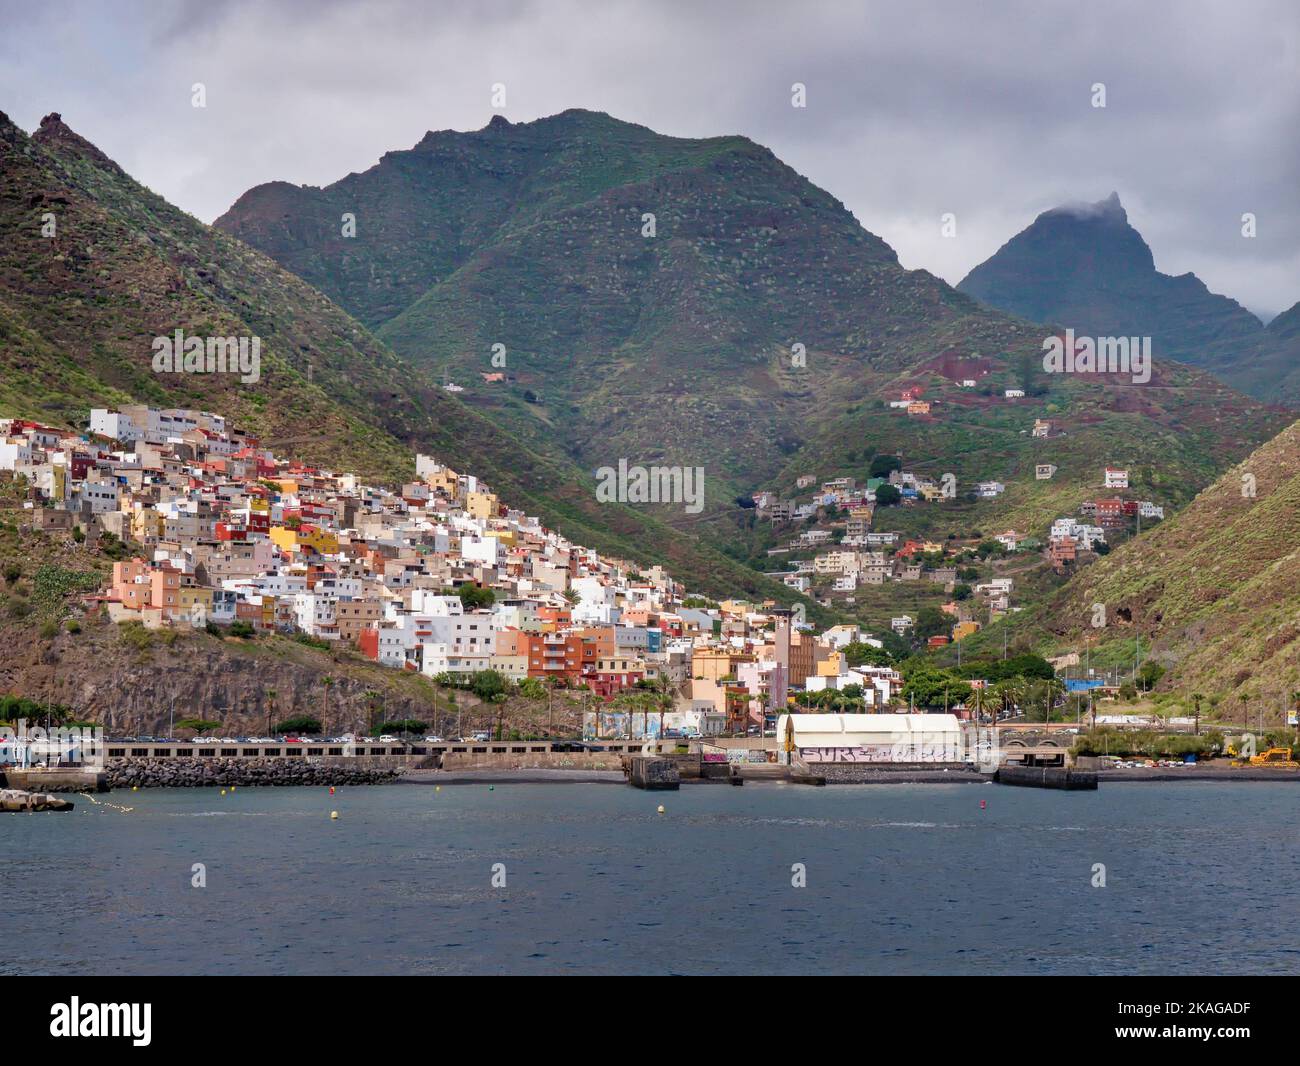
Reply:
x=1278, y=758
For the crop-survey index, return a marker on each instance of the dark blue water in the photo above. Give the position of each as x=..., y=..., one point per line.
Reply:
x=1200, y=877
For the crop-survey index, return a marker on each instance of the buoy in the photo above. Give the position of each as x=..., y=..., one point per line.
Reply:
x=331, y=790
x=334, y=815
x=135, y=788
x=983, y=804
x=492, y=788
x=232, y=788
x=437, y=788
x=661, y=808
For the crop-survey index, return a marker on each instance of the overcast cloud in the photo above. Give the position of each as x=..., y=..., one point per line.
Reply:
x=914, y=109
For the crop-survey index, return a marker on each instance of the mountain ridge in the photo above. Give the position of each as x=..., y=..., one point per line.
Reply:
x=1084, y=266
x=79, y=309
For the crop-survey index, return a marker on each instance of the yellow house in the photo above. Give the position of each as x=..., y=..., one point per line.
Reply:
x=295, y=540
x=190, y=596
x=481, y=504
x=713, y=664
x=444, y=479
x=830, y=666
x=962, y=630
x=146, y=524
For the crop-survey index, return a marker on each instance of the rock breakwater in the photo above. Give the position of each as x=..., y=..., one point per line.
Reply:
x=199, y=773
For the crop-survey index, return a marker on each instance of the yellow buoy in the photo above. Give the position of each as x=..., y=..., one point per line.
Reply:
x=135, y=788
x=334, y=814
x=661, y=808
x=437, y=788
x=223, y=791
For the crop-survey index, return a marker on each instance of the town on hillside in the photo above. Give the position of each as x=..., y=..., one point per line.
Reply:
x=438, y=576
x=442, y=577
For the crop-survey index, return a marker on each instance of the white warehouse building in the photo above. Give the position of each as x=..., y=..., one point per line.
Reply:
x=871, y=738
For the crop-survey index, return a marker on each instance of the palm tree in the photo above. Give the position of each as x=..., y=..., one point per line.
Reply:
x=328, y=682
x=664, y=694
x=373, y=696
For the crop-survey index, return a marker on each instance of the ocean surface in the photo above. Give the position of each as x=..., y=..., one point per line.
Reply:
x=1200, y=877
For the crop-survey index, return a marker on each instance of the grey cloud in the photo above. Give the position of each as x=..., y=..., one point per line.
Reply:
x=913, y=110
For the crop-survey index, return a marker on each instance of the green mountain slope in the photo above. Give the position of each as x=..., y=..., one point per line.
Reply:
x=1085, y=267
x=79, y=310
x=681, y=346
x=1210, y=593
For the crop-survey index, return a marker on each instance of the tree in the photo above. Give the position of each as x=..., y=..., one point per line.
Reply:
x=928, y=687
x=328, y=682
x=1149, y=675
x=199, y=725
x=472, y=597
x=662, y=694
x=373, y=699
x=887, y=496
x=1005, y=697
x=931, y=622
x=858, y=653
x=271, y=695
x=301, y=723
x=883, y=466
x=488, y=685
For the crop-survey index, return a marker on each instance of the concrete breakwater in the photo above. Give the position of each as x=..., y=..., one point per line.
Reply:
x=877, y=774
x=1047, y=777
x=62, y=779
x=13, y=799
x=198, y=773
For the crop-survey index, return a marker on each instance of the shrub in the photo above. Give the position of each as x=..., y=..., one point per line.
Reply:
x=135, y=634
x=301, y=723
x=400, y=725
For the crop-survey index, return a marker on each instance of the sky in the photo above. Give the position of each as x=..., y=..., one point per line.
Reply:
x=914, y=110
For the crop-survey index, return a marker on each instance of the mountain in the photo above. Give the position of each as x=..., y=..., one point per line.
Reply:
x=751, y=327
x=1210, y=592
x=79, y=310
x=1083, y=266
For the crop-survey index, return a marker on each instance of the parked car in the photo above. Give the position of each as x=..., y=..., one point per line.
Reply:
x=433, y=740
x=386, y=739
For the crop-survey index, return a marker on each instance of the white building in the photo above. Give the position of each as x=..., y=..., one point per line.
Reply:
x=871, y=738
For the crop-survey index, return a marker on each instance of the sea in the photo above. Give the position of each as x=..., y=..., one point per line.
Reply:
x=557, y=878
